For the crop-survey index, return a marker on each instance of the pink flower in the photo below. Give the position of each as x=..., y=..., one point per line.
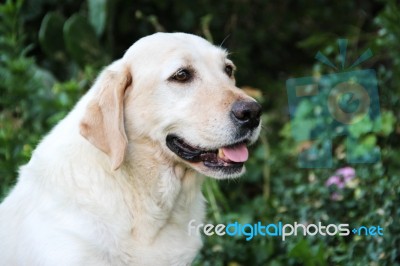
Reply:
x=341, y=177
x=336, y=196
x=347, y=173
x=335, y=180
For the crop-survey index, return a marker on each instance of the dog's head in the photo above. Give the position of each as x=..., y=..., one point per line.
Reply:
x=176, y=90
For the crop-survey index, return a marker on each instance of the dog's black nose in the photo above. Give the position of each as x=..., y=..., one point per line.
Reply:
x=246, y=114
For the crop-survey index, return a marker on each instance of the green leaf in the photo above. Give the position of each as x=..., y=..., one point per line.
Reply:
x=369, y=141
x=51, y=35
x=303, y=128
x=361, y=127
x=45, y=78
x=307, y=254
x=301, y=251
x=98, y=15
x=81, y=41
x=387, y=121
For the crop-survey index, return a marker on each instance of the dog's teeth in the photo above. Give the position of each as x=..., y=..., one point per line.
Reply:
x=221, y=153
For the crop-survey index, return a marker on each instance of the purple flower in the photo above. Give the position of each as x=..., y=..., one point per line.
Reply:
x=341, y=177
x=335, y=180
x=347, y=173
x=336, y=196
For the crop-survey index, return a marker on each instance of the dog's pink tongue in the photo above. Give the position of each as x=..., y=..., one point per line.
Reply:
x=238, y=154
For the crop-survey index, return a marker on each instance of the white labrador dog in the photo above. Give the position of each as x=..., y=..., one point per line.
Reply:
x=117, y=181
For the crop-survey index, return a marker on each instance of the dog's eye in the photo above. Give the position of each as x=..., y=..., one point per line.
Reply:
x=182, y=75
x=229, y=70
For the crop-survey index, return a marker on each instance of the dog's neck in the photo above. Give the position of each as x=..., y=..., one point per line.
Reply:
x=163, y=192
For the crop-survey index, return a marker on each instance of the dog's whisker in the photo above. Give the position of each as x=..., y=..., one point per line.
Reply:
x=223, y=41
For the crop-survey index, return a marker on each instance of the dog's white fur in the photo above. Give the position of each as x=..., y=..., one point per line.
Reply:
x=102, y=188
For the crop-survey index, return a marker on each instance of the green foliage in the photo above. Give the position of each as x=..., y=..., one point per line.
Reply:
x=51, y=36
x=80, y=40
x=98, y=15
x=51, y=51
x=32, y=99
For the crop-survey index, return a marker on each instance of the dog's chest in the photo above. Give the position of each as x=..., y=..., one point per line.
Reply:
x=168, y=205
x=160, y=219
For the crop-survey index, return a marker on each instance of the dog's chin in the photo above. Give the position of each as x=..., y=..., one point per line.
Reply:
x=223, y=162
x=219, y=173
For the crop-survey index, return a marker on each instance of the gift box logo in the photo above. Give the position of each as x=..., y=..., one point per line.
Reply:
x=322, y=108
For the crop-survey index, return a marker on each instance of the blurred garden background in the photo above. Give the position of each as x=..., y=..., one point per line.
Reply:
x=51, y=51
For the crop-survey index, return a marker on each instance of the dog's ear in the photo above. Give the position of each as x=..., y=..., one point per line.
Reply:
x=103, y=122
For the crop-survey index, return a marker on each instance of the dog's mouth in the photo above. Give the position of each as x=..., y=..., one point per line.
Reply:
x=231, y=157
